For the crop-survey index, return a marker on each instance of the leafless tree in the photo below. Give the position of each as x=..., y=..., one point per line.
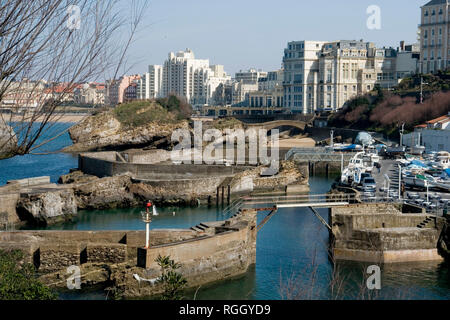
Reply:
x=65, y=43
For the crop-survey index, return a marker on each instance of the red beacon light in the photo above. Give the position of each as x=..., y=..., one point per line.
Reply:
x=149, y=204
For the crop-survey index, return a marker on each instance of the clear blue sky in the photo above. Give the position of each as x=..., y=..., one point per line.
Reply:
x=240, y=34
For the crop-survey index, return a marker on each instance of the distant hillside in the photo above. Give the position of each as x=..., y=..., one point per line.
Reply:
x=386, y=111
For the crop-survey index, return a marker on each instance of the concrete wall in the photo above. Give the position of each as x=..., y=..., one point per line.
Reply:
x=226, y=250
x=91, y=164
x=380, y=233
x=9, y=197
x=51, y=251
x=147, y=157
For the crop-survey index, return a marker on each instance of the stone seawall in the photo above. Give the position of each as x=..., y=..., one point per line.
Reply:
x=105, y=164
x=225, y=249
x=380, y=233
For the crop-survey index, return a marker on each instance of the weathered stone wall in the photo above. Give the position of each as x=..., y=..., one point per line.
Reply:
x=147, y=157
x=8, y=203
x=381, y=233
x=226, y=251
x=94, y=164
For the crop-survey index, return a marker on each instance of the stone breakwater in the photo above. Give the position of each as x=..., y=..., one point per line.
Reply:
x=108, y=180
x=381, y=233
x=223, y=250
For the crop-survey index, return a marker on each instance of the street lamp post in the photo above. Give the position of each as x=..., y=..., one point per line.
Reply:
x=402, y=132
x=147, y=218
x=399, y=182
x=421, y=89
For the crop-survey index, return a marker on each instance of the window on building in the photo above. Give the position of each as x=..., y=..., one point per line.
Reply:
x=346, y=70
x=329, y=74
x=354, y=70
x=298, y=78
x=329, y=100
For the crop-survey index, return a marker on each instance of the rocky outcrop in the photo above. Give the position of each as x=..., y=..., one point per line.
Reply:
x=8, y=140
x=93, y=193
x=47, y=207
x=106, y=193
x=105, y=132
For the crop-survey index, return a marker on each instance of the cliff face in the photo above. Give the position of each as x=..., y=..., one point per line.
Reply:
x=8, y=140
x=105, y=132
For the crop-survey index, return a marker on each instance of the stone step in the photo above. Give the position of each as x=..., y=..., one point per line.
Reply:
x=204, y=226
x=197, y=229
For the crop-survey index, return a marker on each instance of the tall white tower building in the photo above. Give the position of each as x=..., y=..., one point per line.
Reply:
x=434, y=36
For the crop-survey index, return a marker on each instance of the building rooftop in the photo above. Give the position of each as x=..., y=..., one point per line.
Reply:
x=442, y=119
x=436, y=2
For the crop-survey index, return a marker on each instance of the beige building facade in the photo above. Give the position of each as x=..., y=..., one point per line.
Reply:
x=435, y=36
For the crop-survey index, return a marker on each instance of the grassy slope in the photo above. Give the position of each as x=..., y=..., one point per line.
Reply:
x=139, y=113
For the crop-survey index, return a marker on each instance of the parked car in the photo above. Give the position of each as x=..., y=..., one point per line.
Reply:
x=365, y=175
x=369, y=184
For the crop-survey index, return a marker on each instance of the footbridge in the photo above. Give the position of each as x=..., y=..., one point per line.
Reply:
x=272, y=203
x=277, y=124
x=318, y=155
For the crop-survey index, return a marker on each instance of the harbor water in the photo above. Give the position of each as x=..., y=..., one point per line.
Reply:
x=292, y=256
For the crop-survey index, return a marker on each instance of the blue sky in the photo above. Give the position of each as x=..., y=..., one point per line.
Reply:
x=240, y=34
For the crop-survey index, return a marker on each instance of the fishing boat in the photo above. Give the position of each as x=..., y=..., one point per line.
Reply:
x=372, y=152
x=359, y=164
x=443, y=160
x=417, y=180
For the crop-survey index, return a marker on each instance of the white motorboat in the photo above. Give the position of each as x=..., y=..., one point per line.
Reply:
x=372, y=152
x=443, y=160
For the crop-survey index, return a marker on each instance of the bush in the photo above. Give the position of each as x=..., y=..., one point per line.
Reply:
x=139, y=113
x=18, y=280
x=172, y=281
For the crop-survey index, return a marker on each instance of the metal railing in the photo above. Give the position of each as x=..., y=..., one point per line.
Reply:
x=279, y=200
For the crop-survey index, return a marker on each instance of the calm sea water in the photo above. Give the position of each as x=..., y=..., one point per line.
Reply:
x=53, y=165
x=292, y=257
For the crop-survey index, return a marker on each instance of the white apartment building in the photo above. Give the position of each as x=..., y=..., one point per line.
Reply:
x=250, y=76
x=240, y=92
x=301, y=74
x=216, y=77
x=150, y=84
x=326, y=75
x=435, y=36
x=192, y=78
